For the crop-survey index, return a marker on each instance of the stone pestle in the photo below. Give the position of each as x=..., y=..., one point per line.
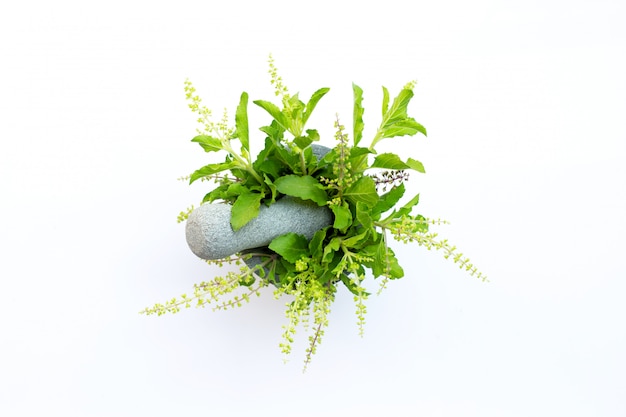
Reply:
x=210, y=236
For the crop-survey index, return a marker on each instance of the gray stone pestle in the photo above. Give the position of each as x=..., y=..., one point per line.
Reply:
x=210, y=236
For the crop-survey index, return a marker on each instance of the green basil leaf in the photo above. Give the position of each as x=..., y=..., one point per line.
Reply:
x=272, y=188
x=405, y=210
x=275, y=112
x=330, y=249
x=310, y=106
x=245, y=208
x=352, y=241
x=385, y=261
x=398, y=110
x=291, y=246
x=316, y=243
x=211, y=169
x=364, y=190
x=389, y=161
x=354, y=289
x=313, y=134
x=303, y=141
x=388, y=200
x=355, y=152
x=393, y=161
x=364, y=215
x=357, y=114
x=343, y=216
x=416, y=165
x=272, y=167
x=241, y=121
x=385, y=101
x=274, y=131
x=305, y=187
x=208, y=143
x=388, y=259
x=407, y=127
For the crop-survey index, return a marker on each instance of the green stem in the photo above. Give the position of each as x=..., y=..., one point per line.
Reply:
x=246, y=165
x=303, y=163
x=376, y=139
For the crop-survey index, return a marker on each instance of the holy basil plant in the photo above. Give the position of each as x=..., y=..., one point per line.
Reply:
x=361, y=187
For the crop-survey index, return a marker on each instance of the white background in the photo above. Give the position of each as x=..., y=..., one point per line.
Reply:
x=525, y=106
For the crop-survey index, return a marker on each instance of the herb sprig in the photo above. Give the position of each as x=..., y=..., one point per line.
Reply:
x=348, y=180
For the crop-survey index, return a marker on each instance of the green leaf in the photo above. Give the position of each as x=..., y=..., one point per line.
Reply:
x=245, y=208
x=236, y=189
x=303, y=141
x=272, y=188
x=327, y=272
x=350, y=285
x=363, y=215
x=393, y=161
x=407, y=127
x=275, y=112
x=274, y=131
x=404, y=210
x=416, y=165
x=385, y=261
x=290, y=246
x=398, y=110
x=217, y=193
x=395, y=119
x=241, y=121
x=272, y=167
x=313, y=134
x=316, y=243
x=356, y=152
x=357, y=114
x=353, y=240
x=364, y=190
x=208, y=143
x=388, y=200
x=308, y=157
x=310, y=106
x=305, y=187
x=407, y=208
x=211, y=169
x=388, y=161
x=385, y=101
x=343, y=216
x=390, y=264
x=331, y=248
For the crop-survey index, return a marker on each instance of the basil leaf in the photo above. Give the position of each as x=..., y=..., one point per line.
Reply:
x=343, y=216
x=208, y=143
x=275, y=112
x=305, y=187
x=211, y=169
x=310, y=106
x=388, y=200
x=245, y=208
x=407, y=127
x=290, y=246
x=241, y=121
x=364, y=190
x=393, y=161
x=357, y=114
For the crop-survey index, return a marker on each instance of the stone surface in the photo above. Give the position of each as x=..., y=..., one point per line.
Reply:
x=210, y=236
x=319, y=150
